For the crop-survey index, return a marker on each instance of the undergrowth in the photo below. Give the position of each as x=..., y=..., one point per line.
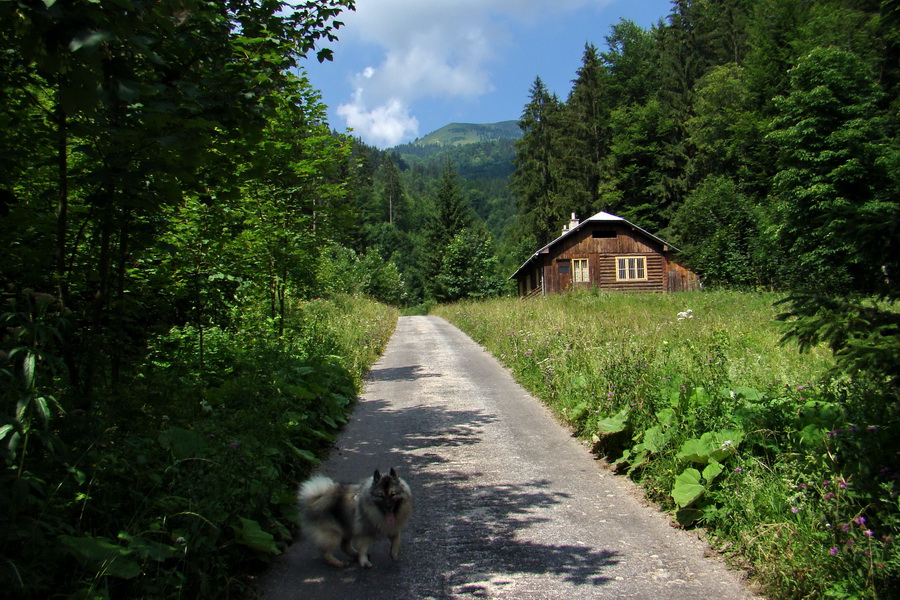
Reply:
x=181, y=484
x=791, y=467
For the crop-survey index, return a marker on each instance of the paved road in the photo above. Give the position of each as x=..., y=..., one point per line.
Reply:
x=508, y=504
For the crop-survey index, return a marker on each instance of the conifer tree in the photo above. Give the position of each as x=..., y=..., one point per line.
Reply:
x=535, y=179
x=452, y=214
x=584, y=139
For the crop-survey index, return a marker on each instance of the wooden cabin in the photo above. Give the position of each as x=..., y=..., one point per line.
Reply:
x=607, y=252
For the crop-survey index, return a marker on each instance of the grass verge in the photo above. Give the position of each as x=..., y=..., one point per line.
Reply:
x=789, y=467
x=184, y=484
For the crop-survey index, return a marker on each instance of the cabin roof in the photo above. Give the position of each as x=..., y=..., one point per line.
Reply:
x=600, y=217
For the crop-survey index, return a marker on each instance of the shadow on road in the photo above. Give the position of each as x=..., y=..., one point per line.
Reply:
x=411, y=373
x=466, y=537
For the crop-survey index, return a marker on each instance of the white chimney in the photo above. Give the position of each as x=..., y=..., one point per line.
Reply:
x=573, y=223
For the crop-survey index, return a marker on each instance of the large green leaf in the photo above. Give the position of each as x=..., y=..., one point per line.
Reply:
x=183, y=443
x=108, y=558
x=614, y=424
x=687, y=487
x=250, y=534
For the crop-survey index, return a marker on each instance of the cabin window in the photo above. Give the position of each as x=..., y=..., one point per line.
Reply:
x=580, y=270
x=604, y=233
x=631, y=268
x=564, y=265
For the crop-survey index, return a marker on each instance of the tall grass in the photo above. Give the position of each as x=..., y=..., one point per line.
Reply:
x=787, y=465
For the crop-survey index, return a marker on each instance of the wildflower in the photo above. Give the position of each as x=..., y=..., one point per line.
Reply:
x=801, y=486
x=869, y=533
x=859, y=520
x=738, y=470
x=826, y=483
x=872, y=428
x=834, y=550
x=235, y=445
x=795, y=510
x=801, y=387
x=845, y=528
x=829, y=495
x=834, y=433
x=726, y=443
x=887, y=538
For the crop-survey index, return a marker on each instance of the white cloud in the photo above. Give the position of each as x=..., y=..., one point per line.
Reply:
x=386, y=125
x=429, y=48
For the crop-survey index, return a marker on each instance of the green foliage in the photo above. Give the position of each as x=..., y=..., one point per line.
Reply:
x=190, y=485
x=469, y=268
x=720, y=226
x=832, y=174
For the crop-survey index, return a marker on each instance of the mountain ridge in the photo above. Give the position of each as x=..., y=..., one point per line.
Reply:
x=460, y=134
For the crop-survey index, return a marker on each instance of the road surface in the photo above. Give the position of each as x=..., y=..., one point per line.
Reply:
x=508, y=504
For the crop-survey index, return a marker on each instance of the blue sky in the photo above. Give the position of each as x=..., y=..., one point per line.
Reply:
x=404, y=68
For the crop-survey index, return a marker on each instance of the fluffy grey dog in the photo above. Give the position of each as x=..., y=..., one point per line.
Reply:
x=355, y=516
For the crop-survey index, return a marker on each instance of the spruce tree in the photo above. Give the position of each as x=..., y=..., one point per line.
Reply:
x=535, y=179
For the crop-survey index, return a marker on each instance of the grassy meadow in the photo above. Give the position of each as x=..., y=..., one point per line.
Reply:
x=787, y=465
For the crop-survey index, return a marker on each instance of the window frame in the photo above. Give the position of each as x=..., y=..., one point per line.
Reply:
x=639, y=266
x=581, y=272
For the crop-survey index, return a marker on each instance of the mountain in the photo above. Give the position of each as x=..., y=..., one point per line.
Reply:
x=458, y=134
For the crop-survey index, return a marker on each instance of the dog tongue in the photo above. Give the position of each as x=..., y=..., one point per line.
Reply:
x=391, y=519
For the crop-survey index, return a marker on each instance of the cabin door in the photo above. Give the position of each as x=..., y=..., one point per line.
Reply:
x=564, y=273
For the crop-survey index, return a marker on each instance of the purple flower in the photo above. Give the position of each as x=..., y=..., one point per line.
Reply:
x=869, y=533
x=845, y=528
x=833, y=432
x=738, y=470
x=829, y=495
x=834, y=550
x=795, y=510
x=859, y=520
x=872, y=428
x=800, y=387
x=235, y=444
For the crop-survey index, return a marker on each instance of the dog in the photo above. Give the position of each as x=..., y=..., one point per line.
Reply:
x=355, y=516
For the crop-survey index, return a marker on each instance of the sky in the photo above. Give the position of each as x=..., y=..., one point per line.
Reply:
x=405, y=68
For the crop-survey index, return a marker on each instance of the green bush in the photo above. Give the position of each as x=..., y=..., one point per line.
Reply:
x=184, y=483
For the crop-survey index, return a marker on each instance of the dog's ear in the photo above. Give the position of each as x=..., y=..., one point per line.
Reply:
x=394, y=473
x=377, y=476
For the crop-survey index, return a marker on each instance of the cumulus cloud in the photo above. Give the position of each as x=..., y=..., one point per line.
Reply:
x=385, y=125
x=428, y=48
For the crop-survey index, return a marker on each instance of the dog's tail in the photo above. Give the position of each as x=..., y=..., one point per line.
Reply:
x=317, y=495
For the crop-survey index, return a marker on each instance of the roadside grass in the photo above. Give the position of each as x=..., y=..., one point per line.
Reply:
x=189, y=487
x=790, y=468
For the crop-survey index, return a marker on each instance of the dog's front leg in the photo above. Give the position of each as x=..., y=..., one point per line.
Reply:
x=361, y=545
x=395, y=547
